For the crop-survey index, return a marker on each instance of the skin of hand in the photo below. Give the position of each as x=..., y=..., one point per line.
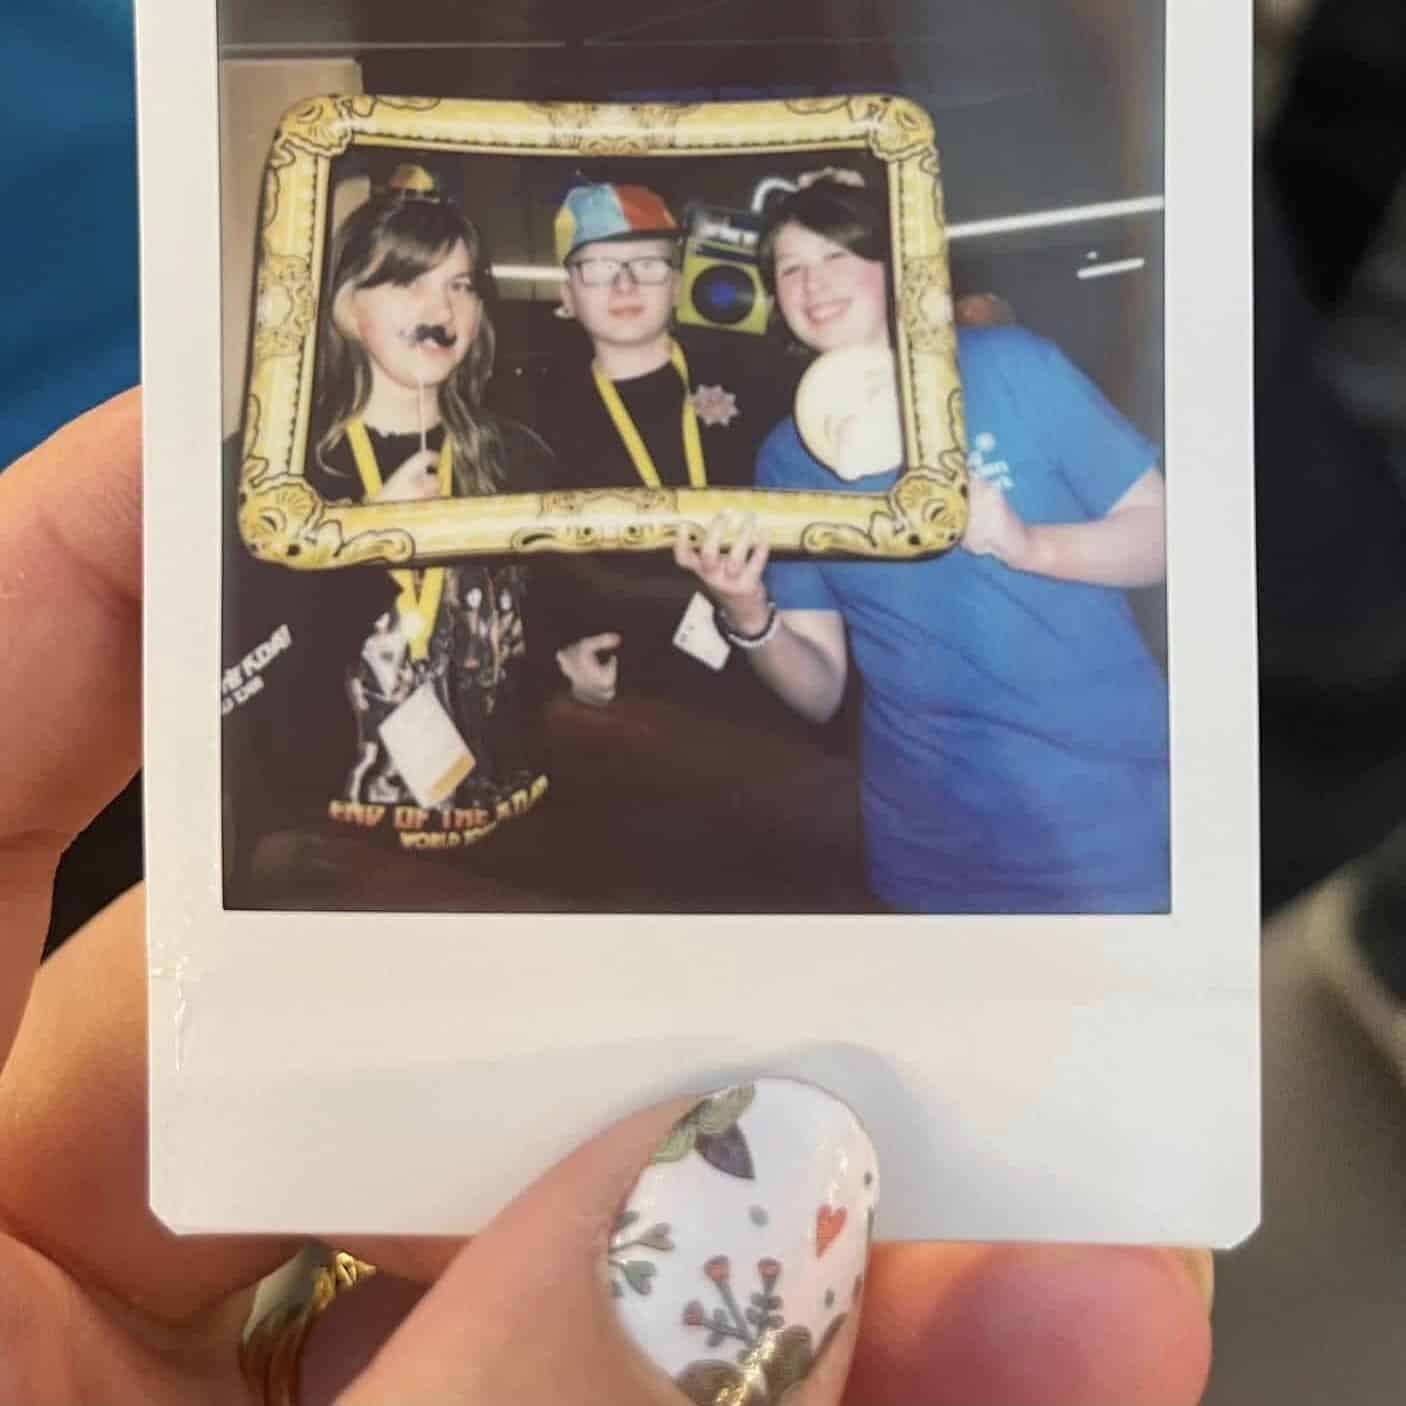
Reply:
x=994, y=528
x=732, y=574
x=591, y=669
x=413, y=480
x=1126, y=547
x=804, y=662
x=100, y=1302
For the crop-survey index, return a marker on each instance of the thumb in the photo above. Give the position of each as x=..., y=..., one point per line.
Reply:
x=711, y=1252
x=610, y=640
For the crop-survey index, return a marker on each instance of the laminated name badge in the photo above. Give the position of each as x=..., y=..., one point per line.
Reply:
x=697, y=634
x=426, y=747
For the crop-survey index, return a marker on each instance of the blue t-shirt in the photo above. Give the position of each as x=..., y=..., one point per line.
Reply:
x=1014, y=747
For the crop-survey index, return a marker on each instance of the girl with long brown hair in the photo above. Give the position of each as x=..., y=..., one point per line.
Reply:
x=401, y=707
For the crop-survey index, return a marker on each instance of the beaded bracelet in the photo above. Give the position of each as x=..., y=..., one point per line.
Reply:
x=767, y=632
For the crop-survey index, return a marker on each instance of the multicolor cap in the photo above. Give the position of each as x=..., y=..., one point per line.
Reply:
x=609, y=211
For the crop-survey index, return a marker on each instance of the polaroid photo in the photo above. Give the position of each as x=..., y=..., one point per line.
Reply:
x=723, y=554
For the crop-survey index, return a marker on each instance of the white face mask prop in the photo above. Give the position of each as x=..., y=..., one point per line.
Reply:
x=847, y=412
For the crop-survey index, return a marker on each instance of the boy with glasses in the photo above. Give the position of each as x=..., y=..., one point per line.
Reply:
x=644, y=412
x=693, y=785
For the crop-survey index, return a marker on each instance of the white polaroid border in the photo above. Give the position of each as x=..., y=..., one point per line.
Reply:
x=1088, y=1079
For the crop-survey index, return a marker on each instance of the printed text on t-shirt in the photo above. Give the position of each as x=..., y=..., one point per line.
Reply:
x=240, y=682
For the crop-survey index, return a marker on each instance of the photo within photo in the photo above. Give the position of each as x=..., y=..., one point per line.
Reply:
x=710, y=728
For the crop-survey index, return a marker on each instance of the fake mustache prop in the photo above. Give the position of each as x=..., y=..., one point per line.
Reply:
x=429, y=332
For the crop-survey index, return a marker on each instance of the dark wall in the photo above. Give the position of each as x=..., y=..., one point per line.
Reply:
x=1031, y=97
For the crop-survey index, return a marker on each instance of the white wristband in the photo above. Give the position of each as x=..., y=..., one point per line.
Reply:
x=768, y=631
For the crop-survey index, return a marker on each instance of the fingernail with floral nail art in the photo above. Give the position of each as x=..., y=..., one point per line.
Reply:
x=741, y=1250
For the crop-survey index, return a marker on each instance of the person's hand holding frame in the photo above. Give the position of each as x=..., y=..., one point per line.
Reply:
x=282, y=519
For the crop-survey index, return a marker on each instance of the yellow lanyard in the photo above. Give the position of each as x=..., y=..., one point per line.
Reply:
x=634, y=444
x=418, y=606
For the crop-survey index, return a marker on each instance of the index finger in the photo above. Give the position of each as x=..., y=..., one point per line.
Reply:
x=73, y=1088
x=685, y=552
x=758, y=547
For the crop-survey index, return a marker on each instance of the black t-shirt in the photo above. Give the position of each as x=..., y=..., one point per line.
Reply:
x=315, y=662
x=741, y=389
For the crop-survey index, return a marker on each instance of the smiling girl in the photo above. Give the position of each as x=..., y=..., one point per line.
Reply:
x=399, y=706
x=1014, y=749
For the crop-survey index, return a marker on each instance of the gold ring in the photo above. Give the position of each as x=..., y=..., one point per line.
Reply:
x=272, y=1349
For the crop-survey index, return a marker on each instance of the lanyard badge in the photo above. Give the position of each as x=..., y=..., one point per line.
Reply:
x=418, y=602
x=633, y=441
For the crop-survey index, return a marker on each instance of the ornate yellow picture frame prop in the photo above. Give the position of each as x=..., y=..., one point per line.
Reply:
x=283, y=520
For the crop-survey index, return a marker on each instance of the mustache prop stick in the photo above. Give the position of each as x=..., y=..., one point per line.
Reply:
x=416, y=337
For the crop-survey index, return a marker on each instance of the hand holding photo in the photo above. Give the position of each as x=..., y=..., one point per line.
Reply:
x=691, y=607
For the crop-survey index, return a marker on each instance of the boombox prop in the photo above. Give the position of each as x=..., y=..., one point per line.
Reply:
x=722, y=286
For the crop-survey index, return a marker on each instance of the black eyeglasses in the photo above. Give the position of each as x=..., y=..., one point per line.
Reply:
x=648, y=269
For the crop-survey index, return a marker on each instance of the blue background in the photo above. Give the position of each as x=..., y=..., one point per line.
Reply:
x=68, y=211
